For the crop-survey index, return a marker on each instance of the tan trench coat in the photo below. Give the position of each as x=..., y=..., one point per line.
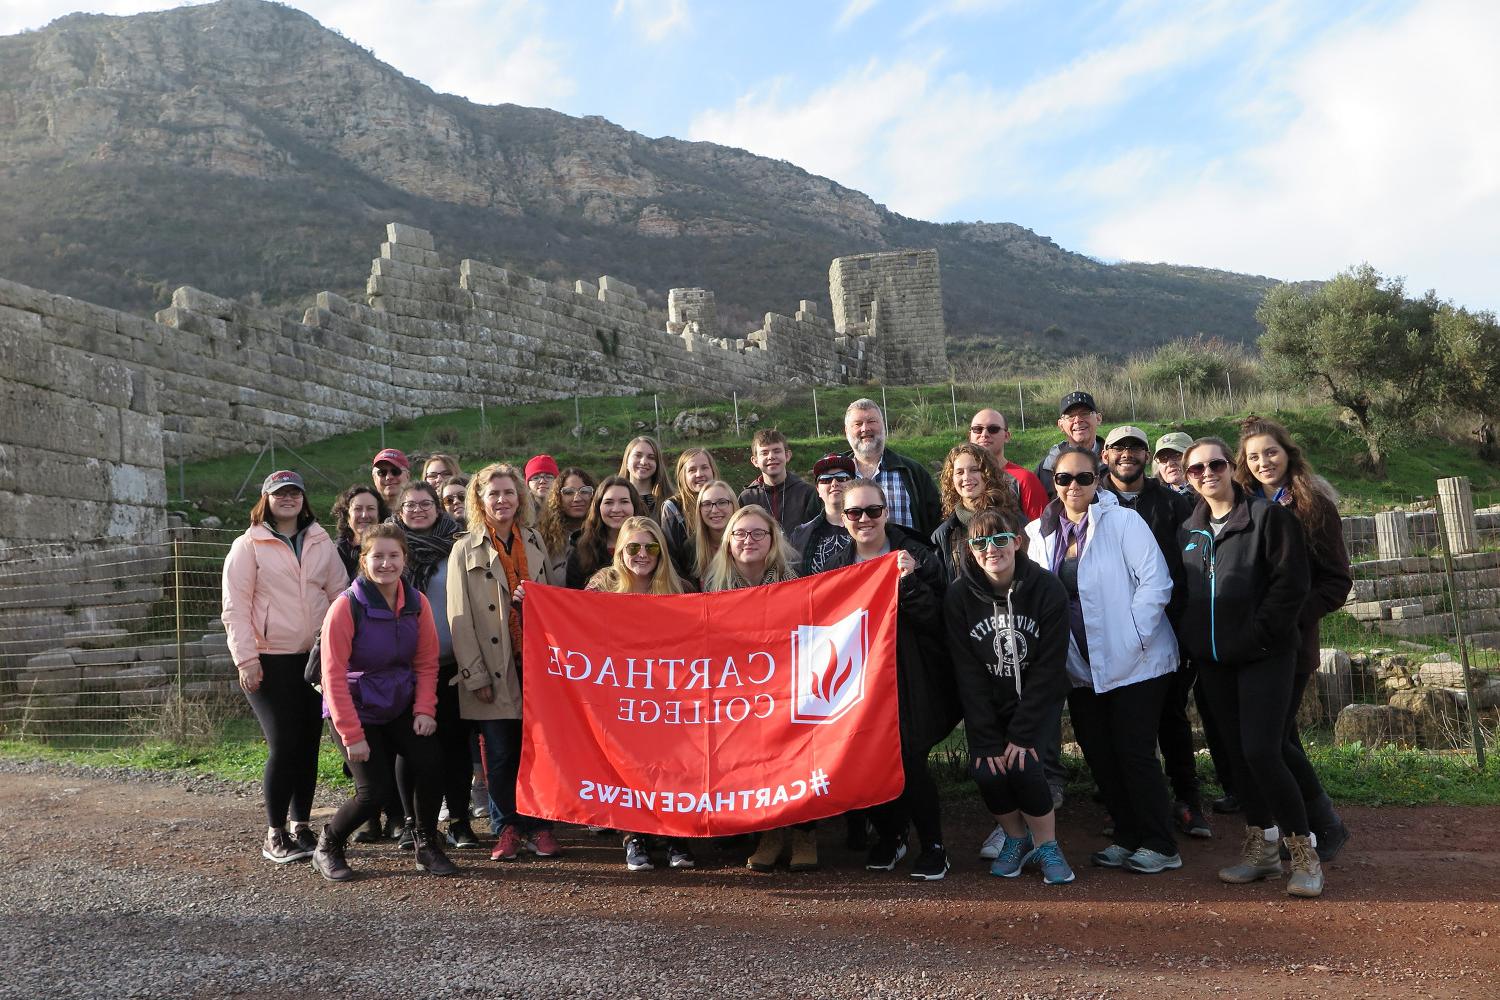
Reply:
x=478, y=600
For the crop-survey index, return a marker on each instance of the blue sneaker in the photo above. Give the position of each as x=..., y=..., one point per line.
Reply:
x=1113, y=856
x=1055, y=869
x=1013, y=854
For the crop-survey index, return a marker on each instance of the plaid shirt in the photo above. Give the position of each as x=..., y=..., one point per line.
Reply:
x=897, y=500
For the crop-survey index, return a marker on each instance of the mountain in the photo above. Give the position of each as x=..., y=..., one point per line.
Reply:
x=243, y=148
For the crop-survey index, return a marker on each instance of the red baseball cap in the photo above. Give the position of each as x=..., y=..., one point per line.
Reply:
x=393, y=457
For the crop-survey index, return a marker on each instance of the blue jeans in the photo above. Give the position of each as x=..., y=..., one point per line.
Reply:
x=500, y=755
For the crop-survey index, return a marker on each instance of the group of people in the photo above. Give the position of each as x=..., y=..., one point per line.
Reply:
x=1087, y=585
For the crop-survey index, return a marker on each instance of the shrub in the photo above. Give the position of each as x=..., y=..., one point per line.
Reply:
x=1201, y=364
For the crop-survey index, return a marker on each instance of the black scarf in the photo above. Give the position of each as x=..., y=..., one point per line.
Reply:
x=428, y=548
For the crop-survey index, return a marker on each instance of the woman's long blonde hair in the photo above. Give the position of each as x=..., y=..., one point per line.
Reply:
x=685, y=497
x=704, y=550
x=723, y=574
x=664, y=580
x=661, y=481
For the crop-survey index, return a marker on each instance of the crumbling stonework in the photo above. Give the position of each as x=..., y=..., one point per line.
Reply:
x=896, y=299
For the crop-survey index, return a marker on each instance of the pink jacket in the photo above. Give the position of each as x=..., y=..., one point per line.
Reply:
x=272, y=602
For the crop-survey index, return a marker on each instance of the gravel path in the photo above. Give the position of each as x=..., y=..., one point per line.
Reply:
x=121, y=883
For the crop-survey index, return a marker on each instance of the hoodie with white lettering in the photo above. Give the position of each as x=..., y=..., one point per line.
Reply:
x=1009, y=652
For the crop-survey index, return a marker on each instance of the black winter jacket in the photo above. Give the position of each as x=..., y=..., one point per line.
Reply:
x=924, y=678
x=1009, y=654
x=1245, y=587
x=818, y=543
x=791, y=502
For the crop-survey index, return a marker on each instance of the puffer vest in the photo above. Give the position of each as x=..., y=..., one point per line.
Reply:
x=381, y=680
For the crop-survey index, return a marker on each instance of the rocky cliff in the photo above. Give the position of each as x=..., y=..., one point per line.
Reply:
x=242, y=148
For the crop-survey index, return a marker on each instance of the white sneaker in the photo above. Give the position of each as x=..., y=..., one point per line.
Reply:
x=992, y=844
x=443, y=816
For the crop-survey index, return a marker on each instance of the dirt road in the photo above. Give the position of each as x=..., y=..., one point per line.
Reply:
x=121, y=885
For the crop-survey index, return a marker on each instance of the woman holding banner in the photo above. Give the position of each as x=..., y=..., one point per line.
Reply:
x=641, y=566
x=594, y=544
x=380, y=672
x=1007, y=624
x=753, y=552
x=928, y=702
x=487, y=573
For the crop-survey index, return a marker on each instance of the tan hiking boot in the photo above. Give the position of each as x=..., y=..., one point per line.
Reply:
x=768, y=851
x=804, y=850
x=1307, y=870
x=1259, y=858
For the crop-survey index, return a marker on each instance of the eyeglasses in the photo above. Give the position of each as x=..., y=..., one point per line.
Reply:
x=991, y=429
x=634, y=548
x=577, y=491
x=723, y=503
x=1000, y=540
x=1068, y=479
x=438, y=474
x=873, y=512
x=389, y=472
x=418, y=505
x=835, y=477
x=1197, y=469
x=1128, y=445
x=748, y=534
x=544, y=477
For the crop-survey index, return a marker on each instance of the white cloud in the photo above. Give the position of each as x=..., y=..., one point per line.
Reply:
x=1389, y=156
x=923, y=140
x=950, y=8
x=484, y=50
x=853, y=11
x=654, y=20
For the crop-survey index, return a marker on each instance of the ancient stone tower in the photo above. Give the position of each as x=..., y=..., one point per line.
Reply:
x=896, y=299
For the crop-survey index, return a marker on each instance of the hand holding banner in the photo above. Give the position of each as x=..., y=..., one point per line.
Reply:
x=709, y=714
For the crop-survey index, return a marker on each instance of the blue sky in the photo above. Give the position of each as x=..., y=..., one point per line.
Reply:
x=1291, y=139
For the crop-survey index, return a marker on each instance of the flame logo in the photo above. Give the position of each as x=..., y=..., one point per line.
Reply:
x=828, y=683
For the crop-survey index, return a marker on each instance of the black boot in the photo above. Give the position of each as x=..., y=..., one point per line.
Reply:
x=430, y=857
x=328, y=858
x=407, y=838
x=1331, y=831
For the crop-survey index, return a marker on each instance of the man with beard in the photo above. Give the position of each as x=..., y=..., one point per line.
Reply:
x=911, y=494
x=1126, y=452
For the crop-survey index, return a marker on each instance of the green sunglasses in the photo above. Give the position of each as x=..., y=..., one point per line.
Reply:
x=1002, y=540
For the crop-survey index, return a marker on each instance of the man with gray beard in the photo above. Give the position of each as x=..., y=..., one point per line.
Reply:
x=911, y=495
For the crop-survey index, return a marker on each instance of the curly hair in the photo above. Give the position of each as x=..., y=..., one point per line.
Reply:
x=997, y=491
x=554, y=523
x=343, y=531
x=480, y=481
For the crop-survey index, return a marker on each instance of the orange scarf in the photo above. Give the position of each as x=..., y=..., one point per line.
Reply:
x=514, y=562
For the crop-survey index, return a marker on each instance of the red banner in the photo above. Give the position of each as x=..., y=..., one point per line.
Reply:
x=709, y=714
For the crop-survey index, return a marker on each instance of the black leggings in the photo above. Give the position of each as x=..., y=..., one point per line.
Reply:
x=1023, y=788
x=1296, y=757
x=1175, y=737
x=453, y=741
x=290, y=714
x=918, y=803
x=372, y=776
x=1118, y=732
x=1250, y=702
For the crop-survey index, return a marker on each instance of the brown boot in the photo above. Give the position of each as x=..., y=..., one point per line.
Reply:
x=768, y=851
x=1307, y=870
x=804, y=850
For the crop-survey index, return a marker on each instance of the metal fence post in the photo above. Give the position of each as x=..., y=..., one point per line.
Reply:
x=817, y=423
x=1463, y=646
x=736, y=413
x=953, y=394
x=1230, y=386
x=656, y=406
x=1182, y=399
x=1021, y=401
x=181, y=637
x=885, y=411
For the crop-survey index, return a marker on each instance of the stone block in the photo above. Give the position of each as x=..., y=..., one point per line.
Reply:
x=1374, y=725
x=1334, y=680
x=1435, y=712
x=51, y=660
x=116, y=655
x=132, y=678
x=410, y=255
x=94, y=638
x=56, y=679
x=145, y=697
x=610, y=283
x=193, y=300
x=396, y=232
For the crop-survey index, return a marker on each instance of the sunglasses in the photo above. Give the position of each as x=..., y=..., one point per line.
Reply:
x=577, y=491
x=1001, y=540
x=991, y=429
x=453, y=499
x=748, y=534
x=389, y=472
x=860, y=513
x=634, y=548
x=835, y=477
x=1198, y=469
x=1068, y=479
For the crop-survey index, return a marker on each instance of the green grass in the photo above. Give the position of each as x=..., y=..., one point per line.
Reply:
x=921, y=424
x=1353, y=775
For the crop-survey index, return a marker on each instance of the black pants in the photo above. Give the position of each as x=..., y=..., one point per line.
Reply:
x=372, y=776
x=1117, y=731
x=1217, y=739
x=918, y=803
x=1296, y=757
x=1175, y=737
x=1250, y=701
x=1049, y=747
x=1024, y=788
x=453, y=740
x=290, y=714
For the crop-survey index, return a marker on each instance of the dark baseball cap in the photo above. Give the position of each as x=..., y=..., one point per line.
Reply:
x=280, y=480
x=1074, y=399
x=833, y=463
